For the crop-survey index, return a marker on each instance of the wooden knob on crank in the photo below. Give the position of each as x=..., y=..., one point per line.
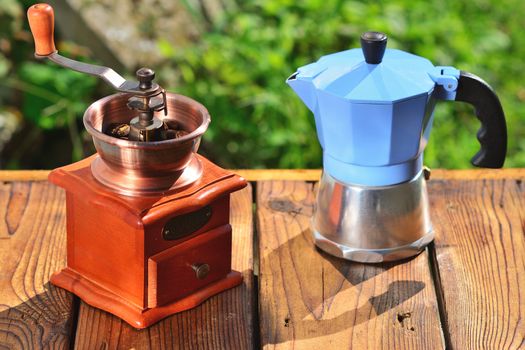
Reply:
x=42, y=23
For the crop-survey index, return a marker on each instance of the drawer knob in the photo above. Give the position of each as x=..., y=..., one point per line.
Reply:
x=201, y=270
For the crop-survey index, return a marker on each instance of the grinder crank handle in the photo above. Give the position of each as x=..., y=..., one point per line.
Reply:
x=42, y=22
x=493, y=132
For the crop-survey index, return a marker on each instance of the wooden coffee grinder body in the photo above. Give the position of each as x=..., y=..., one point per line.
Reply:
x=144, y=258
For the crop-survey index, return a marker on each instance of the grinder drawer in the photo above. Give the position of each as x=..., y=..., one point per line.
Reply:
x=189, y=266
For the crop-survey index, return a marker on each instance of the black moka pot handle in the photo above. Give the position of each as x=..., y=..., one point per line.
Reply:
x=493, y=132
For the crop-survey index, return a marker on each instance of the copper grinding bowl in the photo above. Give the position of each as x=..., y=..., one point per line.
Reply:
x=139, y=168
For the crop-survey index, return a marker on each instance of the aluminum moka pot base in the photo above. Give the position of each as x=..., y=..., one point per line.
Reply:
x=372, y=224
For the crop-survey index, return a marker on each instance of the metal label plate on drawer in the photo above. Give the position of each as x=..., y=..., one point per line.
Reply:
x=183, y=225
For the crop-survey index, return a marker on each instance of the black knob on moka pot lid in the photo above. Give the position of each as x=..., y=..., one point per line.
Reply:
x=373, y=45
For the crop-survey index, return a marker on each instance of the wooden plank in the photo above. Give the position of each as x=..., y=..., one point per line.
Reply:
x=223, y=322
x=310, y=300
x=23, y=175
x=33, y=313
x=474, y=174
x=298, y=174
x=480, y=252
x=280, y=174
x=315, y=174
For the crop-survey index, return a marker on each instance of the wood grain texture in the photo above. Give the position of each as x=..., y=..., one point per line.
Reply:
x=33, y=313
x=310, y=300
x=222, y=322
x=480, y=251
x=298, y=174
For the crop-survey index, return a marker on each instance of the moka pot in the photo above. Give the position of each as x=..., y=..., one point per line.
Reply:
x=373, y=110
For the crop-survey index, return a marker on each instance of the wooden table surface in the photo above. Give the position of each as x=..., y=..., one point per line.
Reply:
x=465, y=291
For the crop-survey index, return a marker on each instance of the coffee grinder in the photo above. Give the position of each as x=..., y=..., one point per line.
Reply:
x=148, y=231
x=373, y=110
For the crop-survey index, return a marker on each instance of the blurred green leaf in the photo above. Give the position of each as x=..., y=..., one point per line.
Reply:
x=51, y=91
x=4, y=66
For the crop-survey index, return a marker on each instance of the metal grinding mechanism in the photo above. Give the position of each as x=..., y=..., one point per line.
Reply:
x=148, y=232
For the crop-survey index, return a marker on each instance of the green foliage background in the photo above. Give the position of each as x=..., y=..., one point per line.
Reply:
x=238, y=67
x=48, y=100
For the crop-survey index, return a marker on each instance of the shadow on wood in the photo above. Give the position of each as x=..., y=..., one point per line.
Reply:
x=309, y=299
x=355, y=274
x=43, y=321
x=33, y=313
x=221, y=322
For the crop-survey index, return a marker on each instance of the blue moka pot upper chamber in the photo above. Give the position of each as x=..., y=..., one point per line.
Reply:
x=373, y=109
